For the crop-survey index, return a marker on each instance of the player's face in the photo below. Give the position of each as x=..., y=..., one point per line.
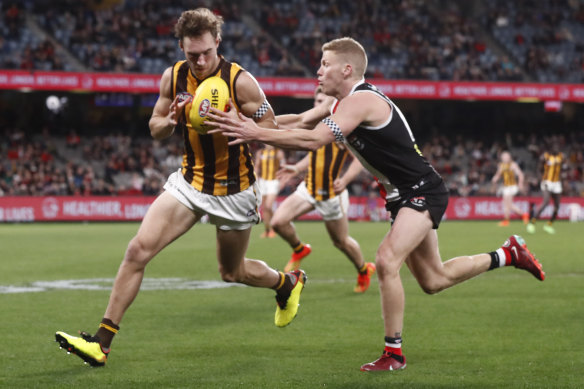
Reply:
x=201, y=53
x=330, y=73
x=319, y=99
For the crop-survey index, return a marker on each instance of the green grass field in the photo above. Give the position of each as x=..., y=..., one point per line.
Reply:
x=504, y=329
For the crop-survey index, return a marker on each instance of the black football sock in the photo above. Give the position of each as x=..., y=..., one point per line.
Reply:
x=287, y=285
x=363, y=269
x=297, y=247
x=106, y=332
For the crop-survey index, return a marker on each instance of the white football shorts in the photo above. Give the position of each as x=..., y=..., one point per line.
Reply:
x=510, y=190
x=551, y=186
x=331, y=209
x=238, y=211
x=269, y=187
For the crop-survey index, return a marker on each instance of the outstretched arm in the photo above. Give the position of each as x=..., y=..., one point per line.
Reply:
x=355, y=109
x=307, y=119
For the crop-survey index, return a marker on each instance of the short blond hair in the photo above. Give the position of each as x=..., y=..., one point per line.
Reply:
x=351, y=51
x=196, y=22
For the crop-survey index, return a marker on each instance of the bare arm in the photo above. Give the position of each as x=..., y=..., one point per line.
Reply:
x=307, y=119
x=286, y=172
x=281, y=157
x=359, y=108
x=497, y=175
x=250, y=98
x=350, y=174
x=257, y=162
x=519, y=173
x=166, y=110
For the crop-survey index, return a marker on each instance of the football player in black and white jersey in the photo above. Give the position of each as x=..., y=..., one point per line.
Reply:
x=377, y=133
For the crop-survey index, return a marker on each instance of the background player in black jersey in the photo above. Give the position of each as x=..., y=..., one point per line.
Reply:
x=378, y=134
x=227, y=194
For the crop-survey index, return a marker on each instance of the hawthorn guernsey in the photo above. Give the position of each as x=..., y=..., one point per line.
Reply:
x=213, y=92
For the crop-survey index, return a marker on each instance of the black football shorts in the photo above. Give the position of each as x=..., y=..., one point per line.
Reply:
x=434, y=199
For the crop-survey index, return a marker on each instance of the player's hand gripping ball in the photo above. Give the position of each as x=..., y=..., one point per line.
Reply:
x=213, y=92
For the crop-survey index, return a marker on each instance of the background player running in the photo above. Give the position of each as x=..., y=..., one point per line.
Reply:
x=323, y=189
x=553, y=163
x=513, y=182
x=267, y=163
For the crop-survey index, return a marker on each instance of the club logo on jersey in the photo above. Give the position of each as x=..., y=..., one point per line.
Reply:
x=184, y=96
x=204, y=108
x=356, y=143
x=419, y=201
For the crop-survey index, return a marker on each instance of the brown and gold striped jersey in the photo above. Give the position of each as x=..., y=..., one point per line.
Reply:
x=552, y=166
x=509, y=177
x=209, y=164
x=324, y=168
x=269, y=163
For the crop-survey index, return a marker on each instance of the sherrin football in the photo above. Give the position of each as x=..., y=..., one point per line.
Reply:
x=213, y=92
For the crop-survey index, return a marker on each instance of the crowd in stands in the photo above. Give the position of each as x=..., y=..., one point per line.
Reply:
x=114, y=164
x=521, y=40
x=545, y=37
x=405, y=39
x=117, y=164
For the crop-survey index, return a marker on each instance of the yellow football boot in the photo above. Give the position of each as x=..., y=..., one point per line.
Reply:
x=287, y=306
x=86, y=347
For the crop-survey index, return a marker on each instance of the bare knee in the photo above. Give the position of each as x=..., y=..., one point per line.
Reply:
x=431, y=287
x=387, y=266
x=433, y=283
x=137, y=254
x=231, y=275
x=339, y=243
x=276, y=224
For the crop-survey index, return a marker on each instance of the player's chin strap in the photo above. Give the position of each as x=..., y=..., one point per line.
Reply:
x=262, y=110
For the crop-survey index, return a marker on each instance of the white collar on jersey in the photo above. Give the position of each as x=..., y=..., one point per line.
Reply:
x=335, y=102
x=361, y=81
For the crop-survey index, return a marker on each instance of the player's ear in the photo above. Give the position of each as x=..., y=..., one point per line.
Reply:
x=347, y=70
x=180, y=44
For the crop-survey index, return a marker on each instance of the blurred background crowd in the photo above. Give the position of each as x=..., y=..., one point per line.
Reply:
x=490, y=40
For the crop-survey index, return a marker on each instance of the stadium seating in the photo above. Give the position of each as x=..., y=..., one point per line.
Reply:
x=404, y=39
x=414, y=39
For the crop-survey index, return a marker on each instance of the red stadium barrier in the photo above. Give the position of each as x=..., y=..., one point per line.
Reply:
x=275, y=86
x=133, y=208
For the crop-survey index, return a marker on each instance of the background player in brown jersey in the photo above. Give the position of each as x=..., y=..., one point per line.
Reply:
x=323, y=189
x=377, y=133
x=513, y=183
x=552, y=165
x=215, y=179
x=267, y=163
